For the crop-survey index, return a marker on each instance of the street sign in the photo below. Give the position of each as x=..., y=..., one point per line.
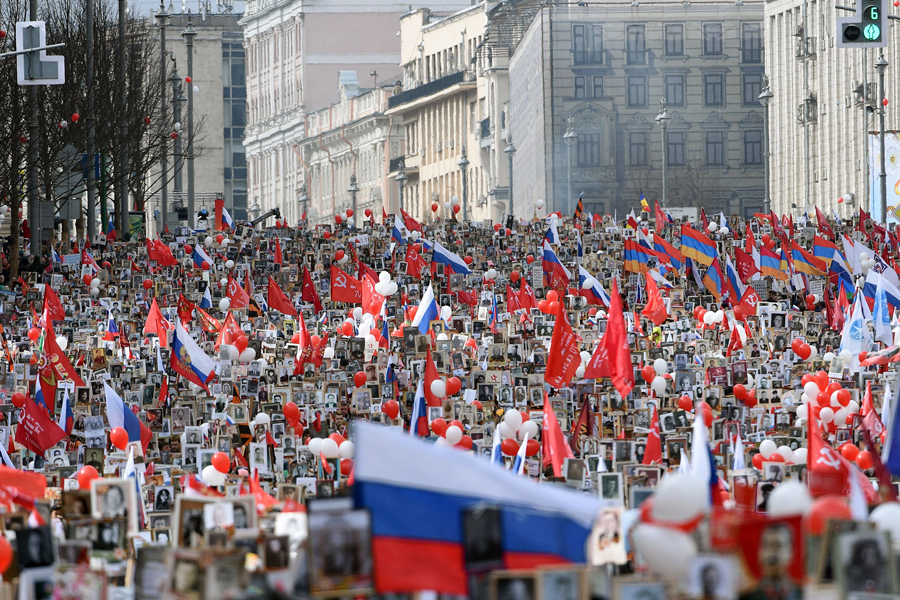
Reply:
x=33, y=66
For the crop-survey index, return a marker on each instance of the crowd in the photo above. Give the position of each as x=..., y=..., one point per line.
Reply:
x=629, y=409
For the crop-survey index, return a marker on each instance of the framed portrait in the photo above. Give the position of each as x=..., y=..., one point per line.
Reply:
x=514, y=585
x=340, y=555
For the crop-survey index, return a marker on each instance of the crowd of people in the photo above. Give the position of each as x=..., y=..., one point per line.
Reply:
x=179, y=416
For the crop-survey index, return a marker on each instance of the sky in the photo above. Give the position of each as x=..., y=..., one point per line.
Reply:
x=148, y=7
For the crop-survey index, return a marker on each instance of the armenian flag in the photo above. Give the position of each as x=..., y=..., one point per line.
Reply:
x=664, y=247
x=697, y=246
x=804, y=262
x=715, y=282
x=824, y=250
x=770, y=264
x=636, y=257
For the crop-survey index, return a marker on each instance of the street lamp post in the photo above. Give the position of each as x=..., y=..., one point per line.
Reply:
x=91, y=161
x=162, y=17
x=401, y=181
x=765, y=98
x=880, y=66
x=510, y=151
x=663, y=119
x=121, y=158
x=188, y=35
x=304, y=198
x=177, y=98
x=464, y=167
x=353, y=189
x=571, y=138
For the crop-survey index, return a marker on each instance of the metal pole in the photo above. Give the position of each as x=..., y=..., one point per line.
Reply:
x=188, y=36
x=353, y=189
x=162, y=16
x=880, y=66
x=865, y=118
x=401, y=181
x=91, y=151
x=121, y=158
x=464, y=166
x=178, y=180
x=34, y=211
x=665, y=164
x=570, y=138
x=510, y=150
x=765, y=98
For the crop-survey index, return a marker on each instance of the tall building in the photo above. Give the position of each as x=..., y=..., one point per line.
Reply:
x=821, y=113
x=295, y=51
x=347, y=146
x=454, y=103
x=598, y=72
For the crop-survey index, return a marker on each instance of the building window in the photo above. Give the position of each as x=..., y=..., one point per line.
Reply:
x=637, y=149
x=712, y=38
x=675, y=39
x=579, y=86
x=588, y=150
x=578, y=42
x=751, y=42
x=637, y=45
x=637, y=90
x=751, y=88
x=598, y=86
x=675, y=90
x=715, y=148
x=675, y=148
x=714, y=90
x=753, y=147
x=587, y=46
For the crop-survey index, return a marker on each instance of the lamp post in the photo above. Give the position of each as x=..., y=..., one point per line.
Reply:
x=765, y=98
x=255, y=210
x=121, y=158
x=304, y=198
x=880, y=66
x=571, y=138
x=510, y=151
x=353, y=189
x=401, y=181
x=464, y=167
x=91, y=150
x=177, y=99
x=663, y=119
x=188, y=35
x=162, y=17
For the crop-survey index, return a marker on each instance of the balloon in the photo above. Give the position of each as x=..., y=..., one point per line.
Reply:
x=513, y=418
x=439, y=426
x=221, y=462
x=740, y=392
x=212, y=477
x=826, y=414
x=827, y=508
x=758, y=459
x=6, y=554
x=34, y=334
x=330, y=448
x=337, y=438
x=648, y=373
x=800, y=456
x=849, y=451
x=789, y=498
x=678, y=500
x=509, y=447
x=291, y=411
x=532, y=447
x=241, y=342
x=224, y=304
x=315, y=446
x=346, y=467
x=347, y=449
x=454, y=434
x=247, y=355
x=391, y=408
x=667, y=552
x=543, y=306
x=886, y=517
x=439, y=389
x=453, y=385
x=660, y=366
x=119, y=438
x=864, y=460
x=553, y=307
x=786, y=453
x=685, y=403
x=802, y=412
x=262, y=419
x=843, y=397
x=530, y=428
x=658, y=385
x=767, y=448
x=95, y=282
x=85, y=476
x=360, y=379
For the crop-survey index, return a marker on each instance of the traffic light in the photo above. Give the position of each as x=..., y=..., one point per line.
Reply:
x=866, y=29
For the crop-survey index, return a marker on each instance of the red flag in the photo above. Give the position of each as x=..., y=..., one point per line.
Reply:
x=37, y=431
x=278, y=259
x=653, y=449
x=248, y=283
x=53, y=308
x=583, y=426
x=564, y=358
x=305, y=349
x=371, y=300
x=735, y=342
x=828, y=472
x=309, y=291
x=209, y=324
x=410, y=223
x=871, y=420
x=344, y=287
x=185, y=309
x=54, y=367
x=469, y=298
x=229, y=327
x=661, y=219
x=824, y=225
x=264, y=500
x=431, y=375
x=161, y=253
x=236, y=294
x=527, y=299
x=749, y=302
x=612, y=358
x=555, y=448
x=704, y=220
x=512, y=300
x=750, y=241
x=414, y=261
x=278, y=301
x=163, y=399
x=655, y=310
x=156, y=323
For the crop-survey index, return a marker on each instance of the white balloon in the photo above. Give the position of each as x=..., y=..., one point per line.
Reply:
x=803, y=411
x=262, y=419
x=212, y=477
x=330, y=448
x=713, y=225
x=588, y=283
x=453, y=434
x=724, y=230
x=370, y=340
x=95, y=283
x=446, y=313
x=391, y=289
x=208, y=242
x=800, y=456
x=247, y=355
x=347, y=449
x=660, y=366
x=826, y=414
x=767, y=448
x=315, y=446
x=439, y=388
x=229, y=264
x=384, y=276
x=328, y=353
x=196, y=89
x=846, y=355
x=224, y=281
x=413, y=235
x=95, y=292
x=529, y=427
x=357, y=313
x=585, y=356
x=812, y=390
x=813, y=352
x=840, y=417
x=350, y=222
x=804, y=398
x=447, y=206
x=62, y=341
x=658, y=385
x=506, y=431
x=853, y=407
x=579, y=372
x=668, y=552
x=886, y=517
x=224, y=304
x=381, y=288
x=539, y=203
x=442, y=442
x=513, y=418
x=789, y=498
x=785, y=452
x=709, y=317
x=829, y=356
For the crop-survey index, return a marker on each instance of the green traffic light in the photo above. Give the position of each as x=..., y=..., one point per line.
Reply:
x=872, y=32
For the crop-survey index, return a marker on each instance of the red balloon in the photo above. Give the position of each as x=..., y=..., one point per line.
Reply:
x=849, y=451
x=648, y=373
x=241, y=343
x=750, y=399
x=412, y=312
x=821, y=379
x=805, y=351
x=775, y=457
x=18, y=399
x=796, y=344
x=87, y=279
x=766, y=238
x=708, y=417
x=456, y=208
x=339, y=255
x=75, y=117
x=843, y=397
x=434, y=207
x=337, y=219
x=810, y=299
x=298, y=430
x=685, y=403
x=119, y=438
x=85, y=476
x=148, y=283
x=205, y=265
x=391, y=408
x=509, y=447
x=360, y=378
x=368, y=212
x=553, y=307
x=806, y=379
x=529, y=259
x=315, y=340
x=349, y=212
x=220, y=238
x=514, y=276
x=6, y=554
x=864, y=460
x=703, y=406
x=347, y=329
x=346, y=466
x=758, y=460
x=552, y=296
x=337, y=438
x=824, y=399
x=439, y=426
x=532, y=447
x=740, y=391
x=187, y=249
x=34, y=334
x=327, y=235
x=295, y=339
x=468, y=260
x=453, y=385
x=221, y=461
x=827, y=508
x=457, y=423
x=291, y=411
x=543, y=306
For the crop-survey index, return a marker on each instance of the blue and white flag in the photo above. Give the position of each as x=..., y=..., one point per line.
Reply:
x=519, y=464
x=427, y=312
x=200, y=256
x=120, y=415
x=496, y=452
x=418, y=421
x=880, y=316
x=855, y=336
x=206, y=301
x=399, y=232
x=441, y=255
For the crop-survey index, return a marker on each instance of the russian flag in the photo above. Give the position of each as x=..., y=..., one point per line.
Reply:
x=112, y=330
x=398, y=233
x=111, y=229
x=735, y=281
x=226, y=218
x=496, y=452
x=199, y=255
x=552, y=234
x=873, y=279
x=54, y=256
x=492, y=323
x=518, y=466
x=39, y=395
x=839, y=267
x=427, y=312
x=418, y=519
x=120, y=415
x=594, y=293
x=66, y=417
x=890, y=454
x=697, y=246
x=441, y=255
x=206, y=301
x=188, y=358
x=553, y=265
x=418, y=421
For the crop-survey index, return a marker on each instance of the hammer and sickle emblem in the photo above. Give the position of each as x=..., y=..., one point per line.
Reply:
x=827, y=458
x=340, y=281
